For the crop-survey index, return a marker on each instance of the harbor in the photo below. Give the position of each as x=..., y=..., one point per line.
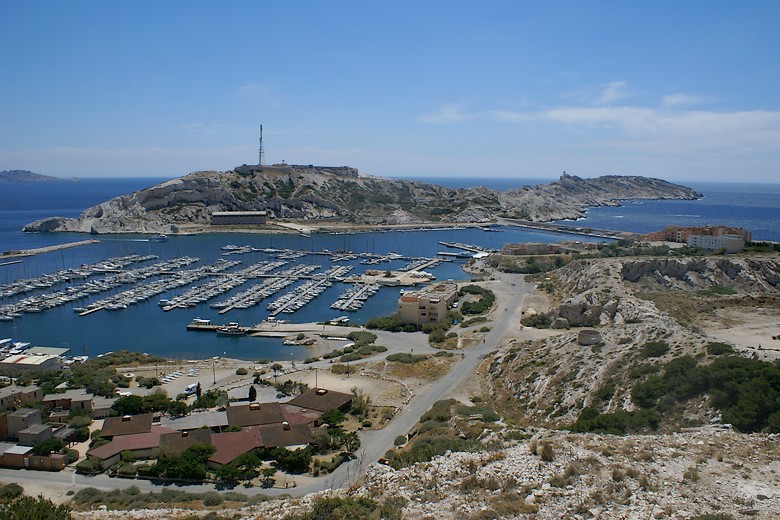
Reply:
x=130, y=292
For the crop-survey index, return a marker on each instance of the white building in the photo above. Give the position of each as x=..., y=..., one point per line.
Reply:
x=728, y=243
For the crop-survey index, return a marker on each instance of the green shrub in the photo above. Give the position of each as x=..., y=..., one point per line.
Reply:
x=10, y=492
x=403, y=357
x=654, y=349
x=241, y=371
x=537, y=321
x=440, y=411
x=718, y=349
x=487, y=414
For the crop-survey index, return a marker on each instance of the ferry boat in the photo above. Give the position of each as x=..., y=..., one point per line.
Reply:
x=230, y=330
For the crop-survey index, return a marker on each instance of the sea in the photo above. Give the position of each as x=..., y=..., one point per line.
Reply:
x=144, y=327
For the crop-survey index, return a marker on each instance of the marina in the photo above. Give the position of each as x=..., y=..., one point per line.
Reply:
x=141, y=295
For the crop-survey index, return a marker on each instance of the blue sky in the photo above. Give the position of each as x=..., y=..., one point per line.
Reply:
x=675, y=90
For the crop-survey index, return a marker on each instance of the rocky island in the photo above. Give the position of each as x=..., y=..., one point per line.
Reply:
x=25, y=176
x=318, y=194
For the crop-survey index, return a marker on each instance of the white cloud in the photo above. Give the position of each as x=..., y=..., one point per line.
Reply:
x=673, y=100
x=449, y=113
x=612, y=92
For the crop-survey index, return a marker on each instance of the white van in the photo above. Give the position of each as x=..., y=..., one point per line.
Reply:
x=191, y=389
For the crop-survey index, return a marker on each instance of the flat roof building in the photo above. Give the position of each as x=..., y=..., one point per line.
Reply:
x=430, y=304
x=32, y=362
x=227, y=218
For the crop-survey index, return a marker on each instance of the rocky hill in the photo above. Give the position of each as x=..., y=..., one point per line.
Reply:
x=25, y=176
x=341, y=194
x=631, y=302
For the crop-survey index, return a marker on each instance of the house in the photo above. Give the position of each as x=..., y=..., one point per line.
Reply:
x=212, y=420
x=76, y=399
x=285, y=435
x=12, y=396
x=101, y=406
x=143, y=446
x=126, y=425
x=177, y=442
x=231, y=445
x=254, y=414
x=21, y=419
x=34, y=434
x=322, y=400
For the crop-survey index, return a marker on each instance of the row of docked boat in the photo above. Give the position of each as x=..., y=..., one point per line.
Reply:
x=49, y=280
x=221, y=285
x=231, y=249
x=269, y=286
x=355, y=297
x=108, y=282
x=174, y=280
x=308, y=291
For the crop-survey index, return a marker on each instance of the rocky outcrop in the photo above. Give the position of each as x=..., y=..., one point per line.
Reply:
x=341, y=193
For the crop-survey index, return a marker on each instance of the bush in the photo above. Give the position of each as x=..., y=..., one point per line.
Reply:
x=343, y=369
x=403, y=357
x=89, y=466
x=718, y=349
x=441, y=411
x=10, y=492
x=537, y=321
x=29, y=508
x=654, y=349
x=487, y=414
x=241, y=371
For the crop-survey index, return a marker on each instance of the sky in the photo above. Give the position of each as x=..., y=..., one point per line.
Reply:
x=516, y=89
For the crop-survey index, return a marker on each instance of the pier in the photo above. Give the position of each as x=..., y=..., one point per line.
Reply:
x=47, y=249
x=573, y=230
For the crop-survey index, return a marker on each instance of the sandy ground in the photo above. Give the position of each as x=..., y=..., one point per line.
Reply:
x=751, y=332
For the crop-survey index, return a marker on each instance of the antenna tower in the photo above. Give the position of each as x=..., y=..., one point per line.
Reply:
x=261, y=147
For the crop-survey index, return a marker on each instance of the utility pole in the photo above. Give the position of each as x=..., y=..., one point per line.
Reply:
x=262, y=153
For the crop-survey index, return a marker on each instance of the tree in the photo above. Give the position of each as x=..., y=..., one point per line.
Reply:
x=198, y=391
x=252, y=393
x=360, y=402
x=128, y=405
x=46, y=447
x=333, y=417
x=268, y=477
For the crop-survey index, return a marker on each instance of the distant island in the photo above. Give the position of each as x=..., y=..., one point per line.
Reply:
x=25, y=176
x=341, y=196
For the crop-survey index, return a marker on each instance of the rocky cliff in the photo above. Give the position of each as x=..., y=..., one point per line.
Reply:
x=321, y=193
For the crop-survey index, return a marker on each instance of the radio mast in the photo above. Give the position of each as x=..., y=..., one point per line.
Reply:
x=261, y=146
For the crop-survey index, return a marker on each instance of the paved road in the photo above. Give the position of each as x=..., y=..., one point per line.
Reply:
x=374, y=443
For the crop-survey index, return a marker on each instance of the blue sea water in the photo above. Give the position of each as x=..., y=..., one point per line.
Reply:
x=144, y=327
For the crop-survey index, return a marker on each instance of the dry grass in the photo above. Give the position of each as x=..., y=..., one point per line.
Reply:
x=429, y=370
